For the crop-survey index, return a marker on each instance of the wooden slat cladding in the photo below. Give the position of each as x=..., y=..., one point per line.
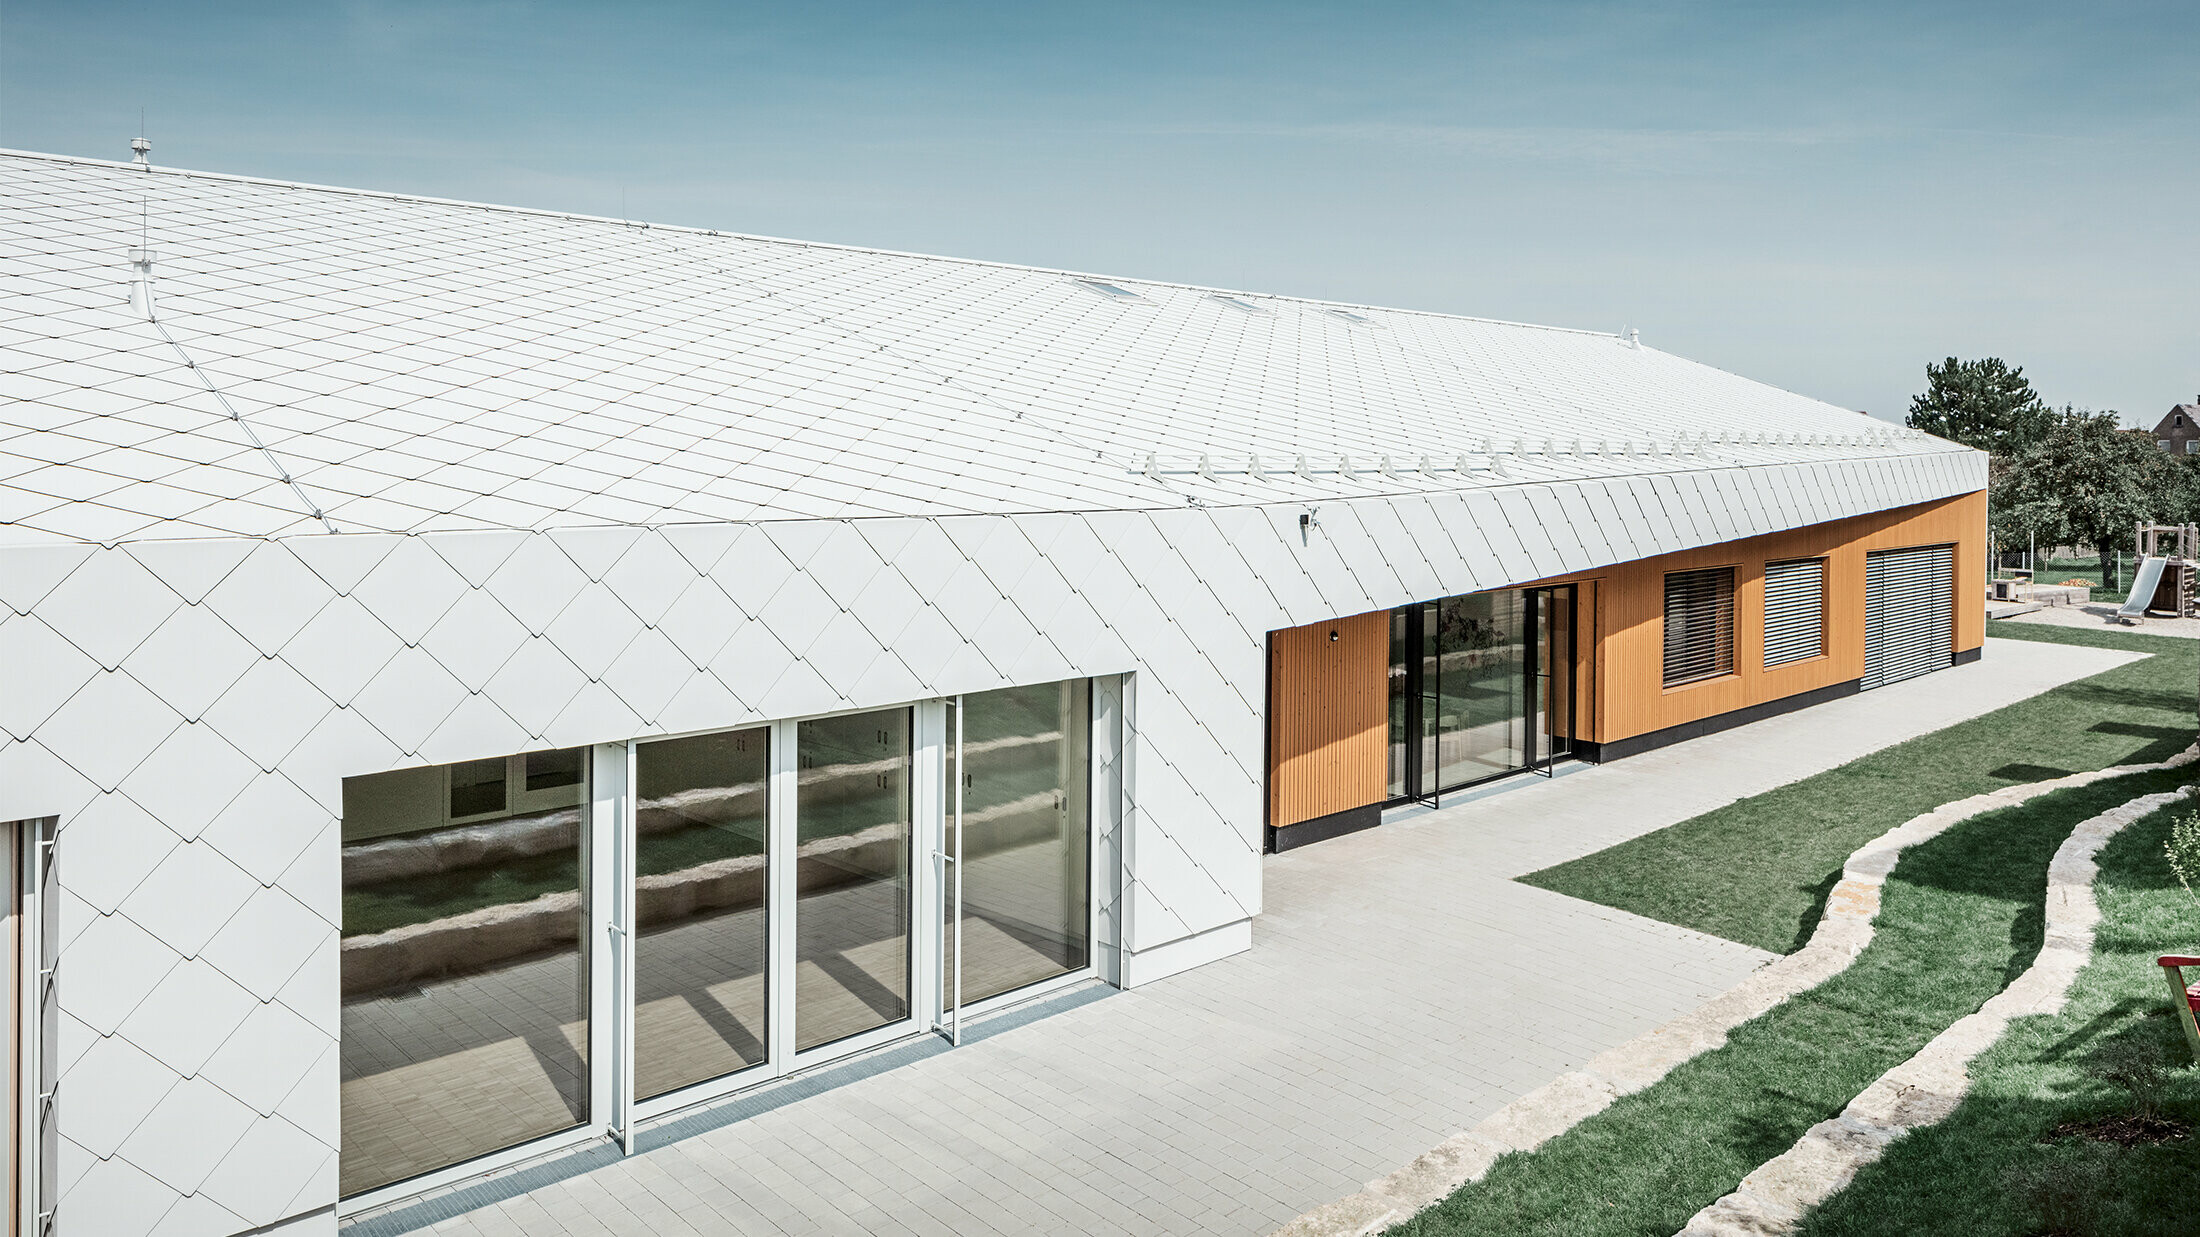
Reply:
x=1626, y=613
x=1328, y=724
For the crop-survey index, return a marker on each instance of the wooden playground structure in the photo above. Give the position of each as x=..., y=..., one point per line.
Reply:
x=2167, y=578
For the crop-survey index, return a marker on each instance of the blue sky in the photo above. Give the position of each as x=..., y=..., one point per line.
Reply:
x=1823, y=197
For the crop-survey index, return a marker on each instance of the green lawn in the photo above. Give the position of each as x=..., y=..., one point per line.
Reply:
x=1758, y=870
x=1995, y=1167
x=1960, y=917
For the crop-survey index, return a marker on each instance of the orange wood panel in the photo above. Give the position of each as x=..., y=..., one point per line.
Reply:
x=1328, y=717
x=1588, y=696
x=1623, y=617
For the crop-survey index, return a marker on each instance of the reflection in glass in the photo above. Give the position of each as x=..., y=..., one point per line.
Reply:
x=551, y=770
x=477, y=788
x=1431, y=699
x=1479, y=643
x=1554, y=671
x=851, y=875
x=699, y=898
x=1401, y=700
x=464, y=979
x=1025, y=841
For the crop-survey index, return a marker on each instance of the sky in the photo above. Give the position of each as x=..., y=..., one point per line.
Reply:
x=1824, y=197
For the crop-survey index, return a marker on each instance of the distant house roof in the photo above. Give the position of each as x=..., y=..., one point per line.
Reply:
x=2179, y=417
x=403, y=364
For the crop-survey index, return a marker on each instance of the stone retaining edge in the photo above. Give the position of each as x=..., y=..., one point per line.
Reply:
x=1550, y=1110
x=1930, y=1085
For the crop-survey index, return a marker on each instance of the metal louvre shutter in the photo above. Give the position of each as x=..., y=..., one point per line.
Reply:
x=1795, y=610
x=1909, y=613
x=1699, y=625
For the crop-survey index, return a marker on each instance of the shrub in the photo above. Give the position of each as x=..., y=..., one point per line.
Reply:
x=2183, y=849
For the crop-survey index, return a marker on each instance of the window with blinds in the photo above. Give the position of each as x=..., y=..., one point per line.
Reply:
x=1699, y=625
x=1795, y=611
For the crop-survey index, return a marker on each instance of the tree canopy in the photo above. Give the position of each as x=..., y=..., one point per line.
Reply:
x=1985, y=404
x=2086, y=482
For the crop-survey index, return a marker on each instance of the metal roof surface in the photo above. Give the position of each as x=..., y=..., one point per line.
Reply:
x=401, y=364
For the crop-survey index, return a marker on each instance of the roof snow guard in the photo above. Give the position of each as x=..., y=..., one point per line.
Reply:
x=416, y=365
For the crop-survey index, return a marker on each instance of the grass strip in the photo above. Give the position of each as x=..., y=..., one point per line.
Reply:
x=1960, y=916
x=1758, y=870
x=1993, y=1166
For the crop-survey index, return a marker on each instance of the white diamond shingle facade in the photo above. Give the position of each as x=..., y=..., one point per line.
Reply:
x=591, y=482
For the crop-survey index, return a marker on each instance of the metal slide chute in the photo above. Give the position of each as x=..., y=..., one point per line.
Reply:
x=2143, y=583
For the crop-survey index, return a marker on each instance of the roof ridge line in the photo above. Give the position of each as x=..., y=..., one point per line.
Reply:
x=761, y=238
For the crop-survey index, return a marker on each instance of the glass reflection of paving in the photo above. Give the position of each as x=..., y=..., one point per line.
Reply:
x=852, y=959
x=457, y=1068
x=699, y=1000
x=1476, y=751
x=460, y=1068
x=455, y=1071
x=1023, y=918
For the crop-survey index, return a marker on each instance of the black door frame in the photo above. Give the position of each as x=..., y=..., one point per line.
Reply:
x=1417, y=783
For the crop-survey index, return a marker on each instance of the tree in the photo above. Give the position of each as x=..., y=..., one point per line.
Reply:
x=2181, y=488
x=1984, y=404
x=2085, y=482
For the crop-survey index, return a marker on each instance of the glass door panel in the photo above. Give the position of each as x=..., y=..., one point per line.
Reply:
x=1554, y=662
x=1402, y=712
x=950, y=877
x=1481, y=657
x=700, y=946
x=1025, y=845
x=1429, y=729
x=852, y=877
x=464, y=973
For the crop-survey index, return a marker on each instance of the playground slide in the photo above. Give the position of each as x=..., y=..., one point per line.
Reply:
x=2143, y=582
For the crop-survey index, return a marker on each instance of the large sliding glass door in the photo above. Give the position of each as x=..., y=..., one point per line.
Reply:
x=1478, y=645
x=1024, y=903
x=556, y=944
x=1480, y=685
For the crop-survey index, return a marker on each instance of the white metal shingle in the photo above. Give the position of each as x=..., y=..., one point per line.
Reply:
x=420, y=365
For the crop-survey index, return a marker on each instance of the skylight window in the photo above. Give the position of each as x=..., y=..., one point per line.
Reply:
x=1349, y=316
x=1235, y=303
x=1110, y=290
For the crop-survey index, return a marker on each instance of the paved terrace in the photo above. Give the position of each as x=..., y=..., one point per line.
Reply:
x=1400, y=987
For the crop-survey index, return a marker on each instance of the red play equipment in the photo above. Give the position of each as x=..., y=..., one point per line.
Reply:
x=2186, y=998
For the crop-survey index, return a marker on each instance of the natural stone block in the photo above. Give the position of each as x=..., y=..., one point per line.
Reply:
x=1546, y=1112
